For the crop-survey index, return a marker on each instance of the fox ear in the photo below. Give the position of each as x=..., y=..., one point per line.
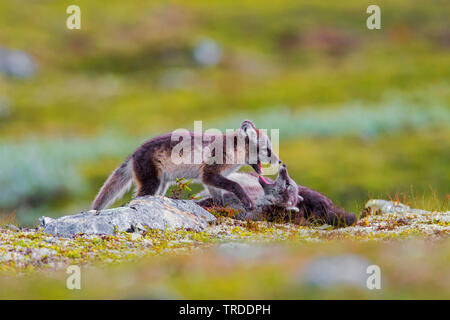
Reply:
x=248, y=129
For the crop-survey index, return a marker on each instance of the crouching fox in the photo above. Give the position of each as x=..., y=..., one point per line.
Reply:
x=267, y=195
x=274, y=199
x=152, y=169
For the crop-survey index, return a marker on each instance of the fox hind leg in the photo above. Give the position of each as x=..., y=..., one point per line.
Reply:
x=148, y=178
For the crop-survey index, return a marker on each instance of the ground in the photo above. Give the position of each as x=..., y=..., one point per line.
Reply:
x=244, y=251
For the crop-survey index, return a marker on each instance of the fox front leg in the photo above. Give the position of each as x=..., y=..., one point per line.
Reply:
x=220, y=182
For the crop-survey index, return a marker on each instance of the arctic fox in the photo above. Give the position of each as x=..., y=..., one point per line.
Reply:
x=267, y=195
x=276, y=198
x=152, y=168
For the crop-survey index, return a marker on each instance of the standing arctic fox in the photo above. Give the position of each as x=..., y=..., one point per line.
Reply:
x=153, y=169
x=267, y=195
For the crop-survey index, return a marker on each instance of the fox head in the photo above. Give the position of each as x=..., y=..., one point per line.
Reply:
x=258, y=146
x=283, y=192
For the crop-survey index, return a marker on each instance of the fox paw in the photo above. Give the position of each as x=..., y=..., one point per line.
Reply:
x=248, y=205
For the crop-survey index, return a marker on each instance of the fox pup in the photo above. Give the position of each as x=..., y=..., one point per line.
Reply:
x=271, y=196
x=152, y=169
x=266, y=194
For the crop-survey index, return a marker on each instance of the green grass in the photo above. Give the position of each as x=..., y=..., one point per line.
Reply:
x=109, y=74
x=363, y=114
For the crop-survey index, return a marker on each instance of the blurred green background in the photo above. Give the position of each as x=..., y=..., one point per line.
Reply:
x=362, y=113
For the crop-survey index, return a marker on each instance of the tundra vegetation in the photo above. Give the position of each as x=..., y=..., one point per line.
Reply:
x=362, y=114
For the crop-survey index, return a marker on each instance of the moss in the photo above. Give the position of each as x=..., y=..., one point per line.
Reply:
x=26, y=252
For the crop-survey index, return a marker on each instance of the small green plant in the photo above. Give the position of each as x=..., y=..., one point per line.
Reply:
x=182, y=185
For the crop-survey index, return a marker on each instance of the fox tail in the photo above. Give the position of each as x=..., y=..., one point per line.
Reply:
x=116, y=185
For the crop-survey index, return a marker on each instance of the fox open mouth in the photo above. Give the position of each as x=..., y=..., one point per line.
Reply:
x=258, y=168
x=264, y=182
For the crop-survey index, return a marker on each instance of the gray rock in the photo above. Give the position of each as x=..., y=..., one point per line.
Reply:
x=386, y=207
x=375, y=206
x=154, y=212
x=12, y=227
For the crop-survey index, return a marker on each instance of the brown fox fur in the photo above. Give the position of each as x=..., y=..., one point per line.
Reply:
x=319, y=207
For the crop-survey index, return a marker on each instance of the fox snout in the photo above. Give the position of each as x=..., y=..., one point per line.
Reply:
x=283, y=172
x=284, y=176
x=258, y=168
